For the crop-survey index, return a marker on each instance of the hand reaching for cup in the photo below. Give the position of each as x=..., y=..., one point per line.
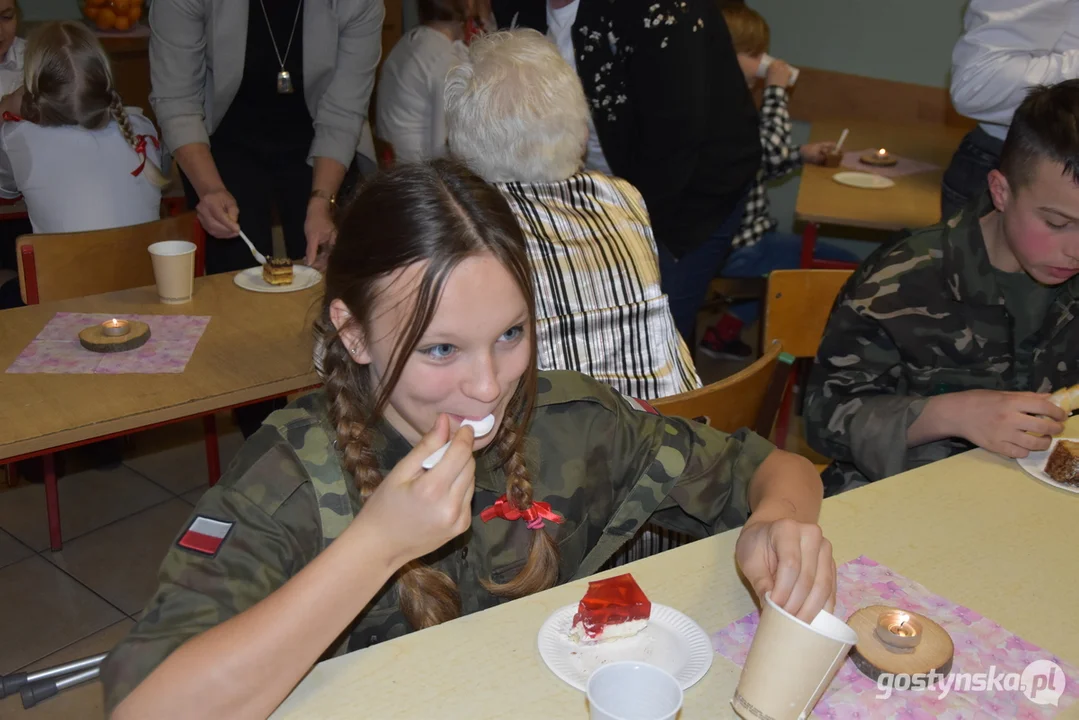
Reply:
x=218, y=213
x=793, y=561
x=418, y=511
x=779, y=73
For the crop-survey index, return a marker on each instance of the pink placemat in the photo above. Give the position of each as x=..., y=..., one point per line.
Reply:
x=981, y=646
x=56, y=348
x=903, y=166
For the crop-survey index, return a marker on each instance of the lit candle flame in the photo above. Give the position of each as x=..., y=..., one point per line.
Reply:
x=882, y=152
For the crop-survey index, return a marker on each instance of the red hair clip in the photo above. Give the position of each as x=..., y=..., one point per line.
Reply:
x=534, y=516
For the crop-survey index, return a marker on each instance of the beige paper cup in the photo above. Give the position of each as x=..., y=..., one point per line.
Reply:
x=790, y=664
x=174, y=270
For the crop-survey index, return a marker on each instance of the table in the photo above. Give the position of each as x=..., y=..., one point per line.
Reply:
x=256, y=346
x=985, y=535
x=914, y=202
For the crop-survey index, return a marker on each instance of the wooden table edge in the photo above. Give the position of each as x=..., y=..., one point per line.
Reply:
x=162, y=416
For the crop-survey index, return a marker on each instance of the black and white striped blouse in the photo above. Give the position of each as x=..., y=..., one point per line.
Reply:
x=599, y=307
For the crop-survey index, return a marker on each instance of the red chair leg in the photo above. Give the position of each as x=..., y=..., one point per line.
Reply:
x=52, y=503
x=213, y=456
x=784, y=418
x=809, y=244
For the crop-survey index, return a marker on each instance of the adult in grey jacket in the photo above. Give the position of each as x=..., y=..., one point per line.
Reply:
x=262, y=103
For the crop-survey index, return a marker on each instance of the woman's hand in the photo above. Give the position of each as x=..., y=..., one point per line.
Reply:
x=320, y=231
x=793, y=561
x=12, y=102
x=219, y=214
x=417, y=511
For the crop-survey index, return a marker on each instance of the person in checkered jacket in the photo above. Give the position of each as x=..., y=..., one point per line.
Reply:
x=758, y=247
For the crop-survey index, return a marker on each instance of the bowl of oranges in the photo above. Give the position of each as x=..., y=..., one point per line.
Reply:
x=114, y=15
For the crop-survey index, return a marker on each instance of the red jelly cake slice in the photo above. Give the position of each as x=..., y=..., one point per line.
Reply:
x=611, y=609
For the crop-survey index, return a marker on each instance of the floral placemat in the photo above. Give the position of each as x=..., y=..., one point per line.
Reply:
x=903, y=166
x=56, y=348
x=985, y=655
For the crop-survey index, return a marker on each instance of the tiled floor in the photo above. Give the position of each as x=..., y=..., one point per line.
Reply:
x=117, y=524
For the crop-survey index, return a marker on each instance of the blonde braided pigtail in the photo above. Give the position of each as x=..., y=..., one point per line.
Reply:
x=150, y=169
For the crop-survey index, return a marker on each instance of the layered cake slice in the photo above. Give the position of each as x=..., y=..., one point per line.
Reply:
x=277, y=271
x=1063, y=463
x=611, y=609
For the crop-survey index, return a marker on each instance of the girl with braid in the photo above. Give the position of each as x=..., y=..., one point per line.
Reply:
x=327, y=532
x=80, y=159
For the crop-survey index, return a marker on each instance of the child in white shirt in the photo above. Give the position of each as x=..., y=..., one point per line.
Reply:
x=80, y=160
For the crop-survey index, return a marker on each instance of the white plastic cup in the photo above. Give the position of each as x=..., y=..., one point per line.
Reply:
x=633, y=690
x=766, y=61
x=174, y=270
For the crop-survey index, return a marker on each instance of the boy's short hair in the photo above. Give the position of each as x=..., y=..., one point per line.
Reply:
x=749, y=30
x=1046, y=125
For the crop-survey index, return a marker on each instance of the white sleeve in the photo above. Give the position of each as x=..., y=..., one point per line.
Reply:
x=1006, y=48
x=9, y=189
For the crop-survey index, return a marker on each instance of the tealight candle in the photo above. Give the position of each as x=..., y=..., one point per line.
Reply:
x=899, y=631
x=882, y=154
x=115, y=328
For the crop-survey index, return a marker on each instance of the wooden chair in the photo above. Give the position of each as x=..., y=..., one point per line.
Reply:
x=71, y=265
x=797, y=309
x=749, y=398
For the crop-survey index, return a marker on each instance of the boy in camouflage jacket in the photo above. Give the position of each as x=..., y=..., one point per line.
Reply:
x=950, y=338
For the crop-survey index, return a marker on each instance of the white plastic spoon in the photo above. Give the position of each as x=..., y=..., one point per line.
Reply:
x=259, y=257
x=479, y=429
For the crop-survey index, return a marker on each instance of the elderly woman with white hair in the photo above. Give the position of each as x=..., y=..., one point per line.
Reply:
x=516, y=114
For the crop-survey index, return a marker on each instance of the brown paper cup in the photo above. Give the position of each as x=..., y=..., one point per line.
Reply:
x=174, y=270
x=790, y=664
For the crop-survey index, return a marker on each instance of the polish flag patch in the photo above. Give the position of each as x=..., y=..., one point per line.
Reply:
x=639, y=405
x=205, y=535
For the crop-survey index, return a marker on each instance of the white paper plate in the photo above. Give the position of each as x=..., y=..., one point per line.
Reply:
x=303, y=277
x=867, y=181
x=671, y=642
x=1034, y=464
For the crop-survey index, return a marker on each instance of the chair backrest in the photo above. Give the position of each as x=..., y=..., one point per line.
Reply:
x=67, y=265
x=797, y=307
x=749, y=398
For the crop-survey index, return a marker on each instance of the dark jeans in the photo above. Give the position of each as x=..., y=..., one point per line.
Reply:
x=260, y=181
x=685, y=280
x=966, y=176
x=774, y=251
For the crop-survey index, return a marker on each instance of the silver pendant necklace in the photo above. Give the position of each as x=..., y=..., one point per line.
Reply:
x=284, y=78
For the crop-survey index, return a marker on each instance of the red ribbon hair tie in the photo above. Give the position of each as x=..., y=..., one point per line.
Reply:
x=140, y=150
x=534, y=515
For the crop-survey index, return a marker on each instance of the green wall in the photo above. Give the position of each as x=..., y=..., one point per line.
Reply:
x=904, y=40
x=49, y=9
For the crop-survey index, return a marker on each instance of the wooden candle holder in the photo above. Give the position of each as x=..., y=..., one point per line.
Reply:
x=94, y=338
x=878, y=160
x=873, y=657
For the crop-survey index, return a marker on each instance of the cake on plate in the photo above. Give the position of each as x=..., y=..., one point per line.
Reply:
x=277, y=271
x=1063, y=463
x=612, y=609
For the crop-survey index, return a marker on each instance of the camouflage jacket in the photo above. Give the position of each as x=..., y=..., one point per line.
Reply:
x=924, y=315
x=606, y=466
